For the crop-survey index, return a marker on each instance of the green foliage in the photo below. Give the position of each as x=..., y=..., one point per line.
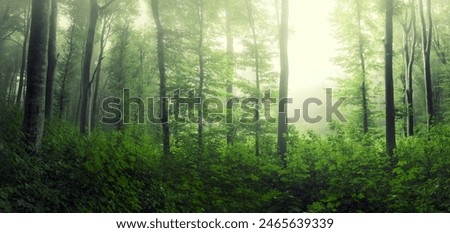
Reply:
x=123, y=171
x=422, y=176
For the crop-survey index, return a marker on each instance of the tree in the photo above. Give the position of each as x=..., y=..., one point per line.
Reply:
x=389, y=82
x=201, y=63
x=51, y=70
x=427, y=40
x=33, y=123
x=86, y=73
x=284, y=77
x=257, y=74
x=105, y=34
x=230, y=69
x=409, y=51
x=26, y=35
x=362, y=58
x=66, y=70
x=356, y=27
x=164, y=104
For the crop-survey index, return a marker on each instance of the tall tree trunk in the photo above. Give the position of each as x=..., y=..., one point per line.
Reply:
x=164, y=113
x=62, y=94
x=427, y=33
x=51, y=59
x=106, y=24
x=230, y=73
x=95, y=10
x=33, y=123
x=409, y=50
x=362, y=59
x=258, y=89
x=120, y=63
x=201, y=63
x=389, y=82
x=87, y=66
x=26, y=35
x=284, y=81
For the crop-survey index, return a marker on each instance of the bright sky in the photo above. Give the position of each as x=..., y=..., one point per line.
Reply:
x=312, y=45
x=311, y=48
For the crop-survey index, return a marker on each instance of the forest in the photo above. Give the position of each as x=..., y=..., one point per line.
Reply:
x=186, y=106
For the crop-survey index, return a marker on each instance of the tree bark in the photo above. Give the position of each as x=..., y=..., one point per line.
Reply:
x=33, y=123
x=106, y=24
x=94, y=13
x=51, y=59
x=95, y=10
x=389, y=82
x=164, y=113
x=427, y=33
x=409, y=50
x=284, y=80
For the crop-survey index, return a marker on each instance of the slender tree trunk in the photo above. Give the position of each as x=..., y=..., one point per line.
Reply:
x=389, y=82
x=257, y=71
x=13, y=81
x=284, y=80
x=33, y=123
x=230, y=62
x=106, y=24
x=201, y=63
x=162, y=77
x=409, y=49
x=87, y=66
x=51, y=59
x=121, y=76
x=427, y=33
x=26, y=34
x=362, y=59
x=62, y=94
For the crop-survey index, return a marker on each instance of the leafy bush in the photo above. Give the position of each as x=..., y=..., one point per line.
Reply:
x=124, y=171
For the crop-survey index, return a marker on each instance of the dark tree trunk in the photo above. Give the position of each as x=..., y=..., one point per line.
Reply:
x=164, y=113
x=33, y=123
x=26, y=35
x=85, y=79
x=51, y=59
x=106, y=24
x=86, y=72
x=427, y=33
x=409, y=50
x=284, y=81
x=389, y=82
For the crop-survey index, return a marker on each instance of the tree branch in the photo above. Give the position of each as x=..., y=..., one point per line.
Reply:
x=20, y=45
x=95, y=72
x=106, y=5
